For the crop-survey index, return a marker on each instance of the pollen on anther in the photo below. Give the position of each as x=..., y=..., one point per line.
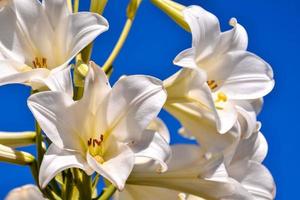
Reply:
x=212, y=84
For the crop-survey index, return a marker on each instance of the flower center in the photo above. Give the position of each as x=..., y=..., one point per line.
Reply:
x=220, y=100
x=212, y=84
x=39, y=62
x=95, y=148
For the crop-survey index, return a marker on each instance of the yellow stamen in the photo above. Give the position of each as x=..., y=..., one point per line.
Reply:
x=39, y=62
x=221, y=99
x=212, y=84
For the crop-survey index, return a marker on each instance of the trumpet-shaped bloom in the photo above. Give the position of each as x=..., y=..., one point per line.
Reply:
x=198, y=174
x=243, y=146
x=104, y=131
x=40, y=39
x=26, y=192
x=229, y=70
x=246, y=167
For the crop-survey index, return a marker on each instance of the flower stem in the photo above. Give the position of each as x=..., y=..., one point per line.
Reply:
x=131, y=12
x=76, y=6
x=39, y=147
x=108, y=192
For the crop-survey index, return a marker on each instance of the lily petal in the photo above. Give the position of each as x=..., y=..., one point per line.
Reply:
x=129, y=100
x=57, y=160
x=119, y=162
x=82, y=29
x=160, y=127
x=203, y=127
x=246, y=118
x=40, y=40
x=186, y=58
x=233, y=40
x=26, y=192
x=134, y=192
x=96, y=87
x=50, y=110
x=253, y=148
x=226, y=117
x=15, y=72
x=250, y=76
x=192, y=86
x=205, y=30
x=257, y=179
x=153, y=146
x=202, y=177
x=61, y=81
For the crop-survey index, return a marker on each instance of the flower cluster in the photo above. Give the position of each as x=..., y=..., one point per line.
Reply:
x=87, y=129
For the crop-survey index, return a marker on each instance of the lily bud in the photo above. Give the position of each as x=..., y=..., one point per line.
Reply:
x=98, y=6
x=80, y=73
x=173, y=10
x=17, y=139
x=10, y=155
x=132, y=8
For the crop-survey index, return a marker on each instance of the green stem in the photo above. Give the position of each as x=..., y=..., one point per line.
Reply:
x=86, y=193
x=131, y=12
x=68, y=186
x=108, y=192
x=39, y=147
x=76, y=6
x=34, y=172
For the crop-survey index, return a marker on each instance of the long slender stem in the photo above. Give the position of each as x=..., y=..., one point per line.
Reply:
x=39, y=147
x=131, y=12
x=76, y=6
x=118, y=46
x=108, y=192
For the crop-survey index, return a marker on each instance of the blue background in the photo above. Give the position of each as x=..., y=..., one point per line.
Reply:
x=274, y=29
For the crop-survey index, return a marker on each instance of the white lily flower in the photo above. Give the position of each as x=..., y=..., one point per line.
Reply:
x=243, y=151
x=105, y=130
x=231, y=72
x=40, y=39
x=26, y=192
x=246, y=166
x=197, y=174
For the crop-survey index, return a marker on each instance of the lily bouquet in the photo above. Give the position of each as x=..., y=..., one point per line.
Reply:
x=88, y=131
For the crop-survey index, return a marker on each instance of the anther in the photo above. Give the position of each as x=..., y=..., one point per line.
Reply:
x=212, y=84
x=39, y=62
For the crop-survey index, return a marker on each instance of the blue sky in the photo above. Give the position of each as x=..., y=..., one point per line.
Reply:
x=273, y=27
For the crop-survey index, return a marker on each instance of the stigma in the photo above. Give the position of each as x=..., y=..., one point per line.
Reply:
x=39, y=62
x=99, y=159
x=221, y=99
